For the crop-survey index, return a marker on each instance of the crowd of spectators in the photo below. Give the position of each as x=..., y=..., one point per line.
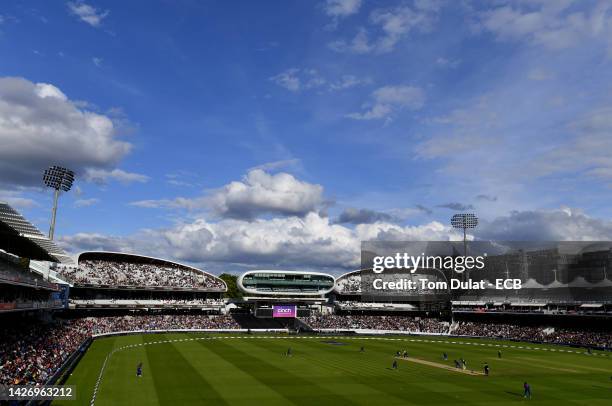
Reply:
x=492, y=330
x=32, y=353
x=538, y=334
x=114, y=273
x=101, y=325
x=356, y=304
x=157, y=302
x=349, y=284
x=397, y=323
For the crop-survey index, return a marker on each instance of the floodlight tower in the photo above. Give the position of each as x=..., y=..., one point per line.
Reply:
x=464, y=221
x=58, y=178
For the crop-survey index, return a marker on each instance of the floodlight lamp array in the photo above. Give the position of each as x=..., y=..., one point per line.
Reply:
x=58, y=177
x=464, y=220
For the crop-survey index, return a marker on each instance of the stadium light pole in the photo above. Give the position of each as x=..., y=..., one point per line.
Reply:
x=57, y=178
x=464, y=221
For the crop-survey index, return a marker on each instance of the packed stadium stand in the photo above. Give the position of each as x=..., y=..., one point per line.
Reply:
x=31, y=351
x=356, y=305
x=348, y=283
x=145, y=303
x=555, y=335
x=118, y=270
x=105, y=281
x=401, y=323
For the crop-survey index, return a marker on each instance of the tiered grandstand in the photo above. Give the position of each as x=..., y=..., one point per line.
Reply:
x=114, y=281
x=118, y=270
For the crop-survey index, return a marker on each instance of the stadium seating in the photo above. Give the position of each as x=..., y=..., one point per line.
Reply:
x=30, y=353
x=357, y=305
x=537, y=334
x=396, y=323
x=349, y=284
x=197, y=303
x=126, y=274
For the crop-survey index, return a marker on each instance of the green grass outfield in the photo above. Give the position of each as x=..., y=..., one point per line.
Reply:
x=226, y=369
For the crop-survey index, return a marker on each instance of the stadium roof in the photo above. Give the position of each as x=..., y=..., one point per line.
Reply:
x=20, y=237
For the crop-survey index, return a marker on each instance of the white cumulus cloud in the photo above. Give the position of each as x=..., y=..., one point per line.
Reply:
x=258, y=193
x=40, y=126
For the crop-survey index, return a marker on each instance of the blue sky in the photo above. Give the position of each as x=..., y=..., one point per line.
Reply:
x=245, y=134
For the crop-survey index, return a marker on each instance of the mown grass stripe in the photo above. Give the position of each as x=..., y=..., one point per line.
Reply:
x=280, y=379
x=185, y=385
x=224, y=375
